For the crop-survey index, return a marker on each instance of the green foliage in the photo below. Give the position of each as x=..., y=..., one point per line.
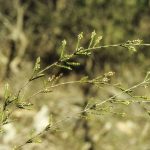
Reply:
x=65, y=61
x=58, y=19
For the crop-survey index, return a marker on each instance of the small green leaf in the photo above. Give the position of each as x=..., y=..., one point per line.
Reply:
x=83, y=53
x=6, y=92
x=23, y=105
x=37, y=64
x=80, y=37
x=73, y=63
x=97, y=41
x=92, y=39
x=66, y=57
x=36, y=77
x=63, y=48
x=64, y=66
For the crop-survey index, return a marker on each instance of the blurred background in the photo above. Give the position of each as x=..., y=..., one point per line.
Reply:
x=32, y=28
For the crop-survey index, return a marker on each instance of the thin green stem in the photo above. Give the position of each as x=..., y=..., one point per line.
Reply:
x=79, y=81
x=125, y=91
x=116, y=45
x=48, y=67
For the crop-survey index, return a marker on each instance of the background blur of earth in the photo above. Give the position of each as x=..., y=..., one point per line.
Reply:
x=30, y=28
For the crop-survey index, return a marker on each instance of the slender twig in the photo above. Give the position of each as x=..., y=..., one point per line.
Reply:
x=74, y=54
x=116, y=45
x=114, y=96
x=60, y=62
x=48, y=67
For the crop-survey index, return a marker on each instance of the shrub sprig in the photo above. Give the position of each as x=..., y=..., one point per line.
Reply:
x=66, y=61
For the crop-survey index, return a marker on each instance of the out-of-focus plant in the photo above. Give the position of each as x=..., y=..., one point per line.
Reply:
x=22, y=29
x=66, y=61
